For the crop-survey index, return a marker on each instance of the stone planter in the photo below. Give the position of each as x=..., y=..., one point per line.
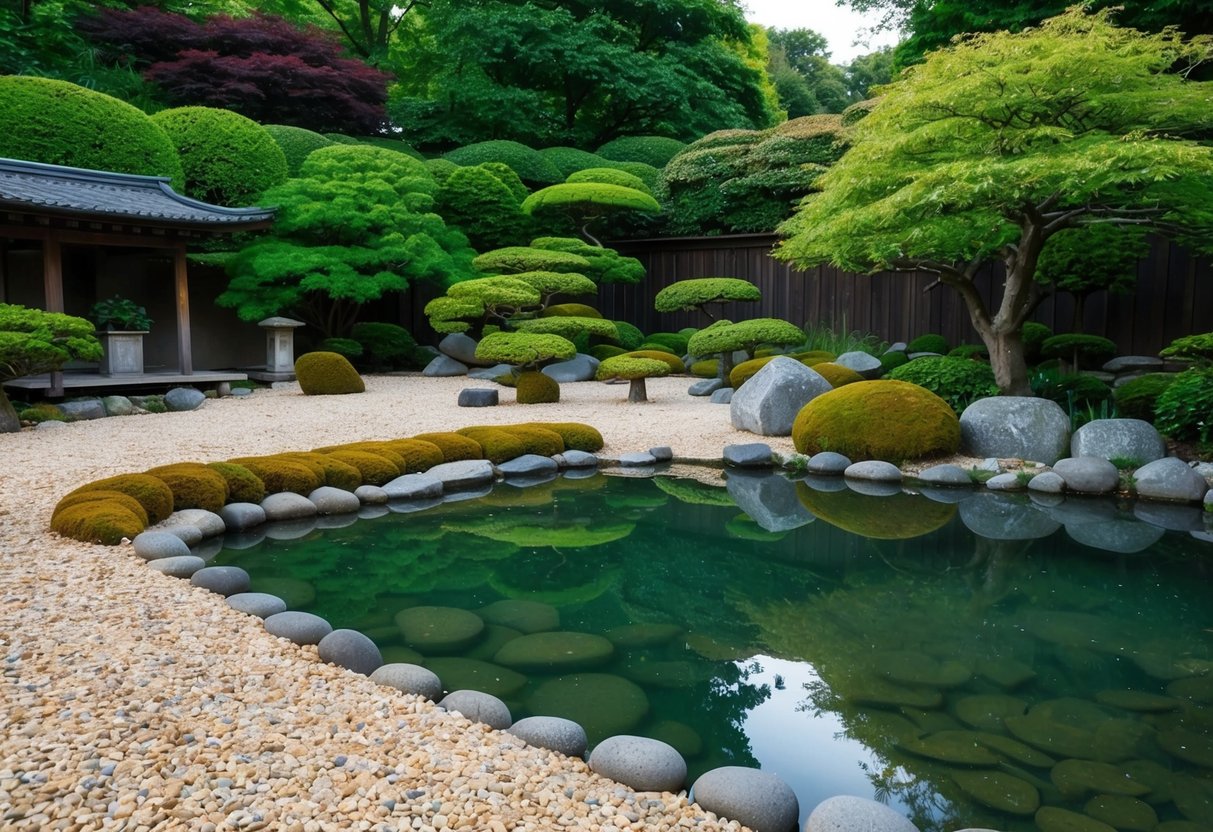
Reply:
x=123, y=352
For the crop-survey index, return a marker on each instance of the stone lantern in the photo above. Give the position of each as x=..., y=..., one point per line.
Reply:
x=279, y=349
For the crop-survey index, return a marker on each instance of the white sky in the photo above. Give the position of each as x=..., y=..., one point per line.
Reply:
x=839, y=24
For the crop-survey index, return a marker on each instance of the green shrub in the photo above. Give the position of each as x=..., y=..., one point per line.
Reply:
x=496, y=445
x=857, y=111
x=332, y=471
x=569, y=310
x=478, y=203
x=958, y=381
x=418, y=454
x=341, y=138
x=327, y=374
x=892, y=360
x=970, y=351
x=296, y=144
x=226, y=159
x=649, y=175
x=374, y=469
x=243, y=486
x=535, y=388
x=610, y=176
x=1195, y=348
x=605, y=351
x=630, y=337
x=102, y=495
x=453, y=446
x=42, y=412
x=1071, y=390
x=570, y=160
x=280, y=473
x=347, y=347
x=387, y=347
x=603, y=265
x=440, y=169
x=529, y=164
x=1184, y=411
x=537, y=438
x=675, y=341
x=575, y=435
x=1078, y=349
x=890, y=420
x=395, y=145
x=151, y=493
x=649, y=346
x=194, y=485
x=651, y=150
x=1137, y=398
x=58, y=123
x=1034, y=335
x=101, y=521
x=696, y=293
x=672, y=361
x=929, y=343
x=836, y=374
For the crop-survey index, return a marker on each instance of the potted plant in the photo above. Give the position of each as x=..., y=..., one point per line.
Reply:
x=121, y=325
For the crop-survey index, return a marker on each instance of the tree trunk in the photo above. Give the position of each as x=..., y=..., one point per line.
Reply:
x=637, y=391
x=1007, y=361
x=9, y=422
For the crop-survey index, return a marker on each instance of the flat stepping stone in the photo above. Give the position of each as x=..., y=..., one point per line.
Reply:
x=987, y=712
x=522, y=615
x=552, y=732
x=1188, y=745
x=413, y=487
x=882, y=693
x=603, y=704
x=465, y=473
x=459, y=673
x=439, y=630
x=1075, y=778
x=705, y=388
x=1056, y=819
x=874, y=470
x=576, y=459
x=754, y=798
x=529, y=465
x=748, y=455
x=945, y=475
x=999, y=791
x=182, y=566
x=350, y=649
x=260, y=604
x=298, y=627
x=637, y=459
x=555, y=651
x=1127, y=814
x=224, y=580
x=477, y=397
x=409, y=678
x=828, y=463
x=640, y=763
x=479, y=707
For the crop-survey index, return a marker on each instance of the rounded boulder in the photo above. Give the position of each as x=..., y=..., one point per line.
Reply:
x=552, y=732
x=1015, y=427
x=845, y=813
x=478, y=707
x=757, y=799
x=409, y=678
x=157, y=545
x=640, y=763
x=350, y=649
x=260, y=604
x=298, y=627
x=224, y=580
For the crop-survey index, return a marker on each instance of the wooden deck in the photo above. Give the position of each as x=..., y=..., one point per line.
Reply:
x=92, y=380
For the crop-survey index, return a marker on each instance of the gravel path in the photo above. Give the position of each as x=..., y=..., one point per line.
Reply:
x=133, y=701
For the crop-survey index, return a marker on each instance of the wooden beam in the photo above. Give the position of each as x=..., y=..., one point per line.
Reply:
x=185, y=354
x=52, y=290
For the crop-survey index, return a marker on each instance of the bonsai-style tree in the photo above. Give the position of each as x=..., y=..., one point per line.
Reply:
x=570, y=327
x=528, y=352
x=723, y=338
x=472, y=304
x=1090, y=259
x=32, y=342
x=701, y=292
x=993, y=146
x=606, y=265
x=515, y=259
x=588, y=202
x=635, y=370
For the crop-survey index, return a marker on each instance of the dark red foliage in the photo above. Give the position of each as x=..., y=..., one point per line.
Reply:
x=262, y=67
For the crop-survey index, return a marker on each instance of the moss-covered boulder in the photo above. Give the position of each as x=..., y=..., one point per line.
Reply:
x=533, y=387
x=601, y=703
x=895, y=517
x=453, y=446
x=153, y=494
x=372, y=468
x=889, y=420
x=575, y=435
x=327, y=374
x=439, y=630
x=98, y=521
x=836, y=374
x=102, y=495
x=194, y=485
x=556, y=651
x=282, y=474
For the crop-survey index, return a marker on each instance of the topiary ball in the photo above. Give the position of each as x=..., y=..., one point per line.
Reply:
x=836, y=374
x=534, y=387
x=152, y=493
x=892, y=360
x=296, y=143
x=889, y=420
x=194, y=485
x=929, y=343
x=327, y=374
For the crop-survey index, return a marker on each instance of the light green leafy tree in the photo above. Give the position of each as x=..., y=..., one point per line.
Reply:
x=723, y=338
x=993, y=146
x=32, y=342
x=702, y=292
x=471, y=305
x=588, y=202
x=355, y=225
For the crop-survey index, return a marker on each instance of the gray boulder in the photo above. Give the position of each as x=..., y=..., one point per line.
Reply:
x=875, y=470
x=462, y=348
x=580, y=367
x=190, y=535
x=1047, y=483
x=1129, y=439
x=240, y=516
x=576, y=459
x=1170, y=478
x=529, y=465
x=443, y=366
x=350, y=649
x=490, y=373
x=1177, y=518
x=156, y=545
x=182, y=566
x=640, y=763
x=242, y=392
x=117, y=405
x=298, y=627
x=413, y=487
x=862, y=363
x=260, y=604
x=295, y=529
x=828, y=463
x=769, y=499
x=287, y=505
x=1133, y=364
x=50, y=424
x=637, y=459
x=873, y=488
x=330, y=500
x=845, y=813
x=479, y=707
x=79, y=410
x=1088, y=474
x=553, y=732
x=706, y=387
x=947, y=475
x=465, y=473
x=370, y=495
x=748, y=455
x=1123, y=537
x=1017, y=427
x=1006, y=482
x=768, y=403
x=722, y=396
x=477, y=397
x=207, y=522
x=223, y=580
x=754, y=798
x=409, y=678
x=181, y=399
x=662, y=453
x=1001, y=516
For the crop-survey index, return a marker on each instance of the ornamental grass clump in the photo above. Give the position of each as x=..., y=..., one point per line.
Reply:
x=635, y=370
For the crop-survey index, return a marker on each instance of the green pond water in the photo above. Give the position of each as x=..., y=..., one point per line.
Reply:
x=852, y=644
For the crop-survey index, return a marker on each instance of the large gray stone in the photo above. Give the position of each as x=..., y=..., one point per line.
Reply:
x=477, y=397
x=769, y=499
x=207, y=522
x=1047, y=483
x=350, y=649
x=409, y=678
x=223, y=580
x=662, y=453
x=1170, y=478
x=576, y=459
x=768, y=403
x=1127, y=439
x=181, y=399
x=79, y=410
x=554, y=732
x=240, y=516
x=462, y=348
x=479, y=707
x=949, y=475
x=529, y=465
x=50, y=424
x=641, y=763
x=748, y=455
x=287, y=505
x=156, y=545
x=330, y=500
x=490, y=373
x=413, y=487
x=1088, y=474
x=1133, y=364
x=757, y=799
x=371, y=495
x=1006, y=482
x=260, y=604
x=637, y=459
x=875, y=470
x=724, y=395
x=1018, y=427
x=443, y=366
x=1001, y=516
x=862, y=363
x=706, y=387
x=466, y=473
x=845, y=813
x=828, y=463
x=182, y=566
x=117, y=405
x=299, y=627
x=580, y=367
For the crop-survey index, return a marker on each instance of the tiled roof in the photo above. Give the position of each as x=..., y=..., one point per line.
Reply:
x=92, y=194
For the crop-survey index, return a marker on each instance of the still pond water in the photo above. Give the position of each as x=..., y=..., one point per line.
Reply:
x=850, y=643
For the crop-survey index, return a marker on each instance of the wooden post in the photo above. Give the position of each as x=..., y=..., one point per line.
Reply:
x=52, y=290
x=185, y=354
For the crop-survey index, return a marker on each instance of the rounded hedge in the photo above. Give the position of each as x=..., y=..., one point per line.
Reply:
x=296, y=144
x=453, y=446
x=569, y=310
x=575, y=435
x=564, y=195
x=226, y=159
x=418, y=454
x=687, y=295
x=194, y=485
x=651, y=150
x=889, y=420
x=536, y=388
x=1182, y=410
x=102, y=495
x=280, y=474
x=605, y=351
x=570, y=160
x=101, y=521
x=676, y=341
x=1137, y=398
x=243, y=486
x=1033, y=334
x=1078, y=346
x=59, y=123
x=929, y=343
x=528, y=163
x=629, y=366
x=332, y=471
x=496, y=445
x=152, y=493
x=610, y=176
x=893, y=359
x=958, y=381
x=327, y=374
x=374, y=469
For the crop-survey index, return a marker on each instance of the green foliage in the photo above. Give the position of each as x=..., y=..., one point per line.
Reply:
x=152, y=494
x=575, y=435
x=892, y=360
x=63, y=124
x=1072, y=123
x=107, y=522
x=341, y=138
x=243, y=486
x=471, y=304
x=676, y=342
x=387, y=347
x=1090, y=259
x=929, y=343
x=509, y=178
x=394, y=145
x=669, y=359
x=327, y=374
x=1184, y=411
x=856, y=112
x=588, y=202
x=355, y=225
x=114, y=498
x=118, y=313
x=528, y=163
x=698, y=293
x=605, y=265
x=890, y=420
x=630, y=336
x=727, y=337
x=33, y=342
x=440, y=169
x=1195, y=348
x=569, y=310
x=478, y=203
x=651, y=150
x=570, y=327
x=514, y=259
x=1034, y=335
x=605, y=351
x=837, y=340
x=971, y=351
x=1138, y=397
x=647, y=174
x=534, y=387
x=296, y=143
x=347, y=347
x=570, y=159
x=226, y=158
x=453, y=446
x=631, y=367
x=550, y=284
x=524, y=349
x=1079, y=394
x=1077, y=348
x=194, y=485
x=836, y=374
x=41, y=412
x=280, y=473
x=609, y=176
x=958, y=381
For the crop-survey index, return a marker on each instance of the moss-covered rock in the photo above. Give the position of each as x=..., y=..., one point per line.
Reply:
x=98, y=521
x=575, y=435
x=282, y=474
x=103, y=495
x=374, y=469
x=453, y=446
x=744, y=371
x=569, y=310
x=194, y=485
x=604, y=351
x=999, y=791
x=709, y=368
x=524, y=616
x=836, y=374
x=418, y=454
x=889, y=420
x=496, y=445
x=334, y=472
x=243, y=486
x=536, y=388
x=152, y=493
x=537, y=439
x=327, y=374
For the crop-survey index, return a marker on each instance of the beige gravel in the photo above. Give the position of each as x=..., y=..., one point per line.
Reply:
x=133, y=701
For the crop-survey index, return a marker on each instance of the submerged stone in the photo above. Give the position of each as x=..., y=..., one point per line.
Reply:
x=1127, y=814
x=953, y=747
x=1137, y=700
x=911, y=668
x=472, y=674
x=987, y=712
x=1188, y=745
x=601, y=703
x=681, y=736
x=1075, y=778
x=524, y=616
x=555, y=651
x=1056, y=819
x=882, y=693
x=494, y=638
x=630, y=636
x=1193, y=797
x=439, y=630
x=1006, y=673
x=999, y=791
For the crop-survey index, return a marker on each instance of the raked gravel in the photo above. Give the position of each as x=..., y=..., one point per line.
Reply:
x=131, y=700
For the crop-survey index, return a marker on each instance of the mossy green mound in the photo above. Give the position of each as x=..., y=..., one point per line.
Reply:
x=417, y=454
x=98, y=521
x=569, y=310
x=327, y=374
x=243, y=486
x=152, y=493
x=473, y=674
x=896, y=517
x=576, y=436
x=556, y=651
x=496, y=445
x=282, y=474
x=986, y=712
x=373, y=469
x=533, y=387
x=1014, y=750
x=1127, y=814
x=102, y=495
x=194, y=485
x=604, y=351
x=1137, y=398
x=999, y=791
x=603, y=704
x=836, y=374
x=708, y=368
x=453, y=446
x=744, y=371
x=672, y=361
x=334, y=471
x=439, y=630
x=525, y=616
x=889, y=420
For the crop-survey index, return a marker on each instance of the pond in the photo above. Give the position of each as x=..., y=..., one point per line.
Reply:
x=850, y=643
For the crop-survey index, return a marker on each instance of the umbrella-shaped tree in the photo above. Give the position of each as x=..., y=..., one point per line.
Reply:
x=702, y=292
x=588, y=202
x=723, y=338
x=528, y=352
x=33, y=341
x=635, y=370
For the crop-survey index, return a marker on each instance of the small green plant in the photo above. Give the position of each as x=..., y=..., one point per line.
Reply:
x=929, y=343
x=981, y=475
x=1184, y=411
x=1024, y=476
x=825, y=337
x=1084, y=397
x=958, y=381
x=1078, y=349
x=1195, y=348
x=1125, y=463
x=118, y=313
